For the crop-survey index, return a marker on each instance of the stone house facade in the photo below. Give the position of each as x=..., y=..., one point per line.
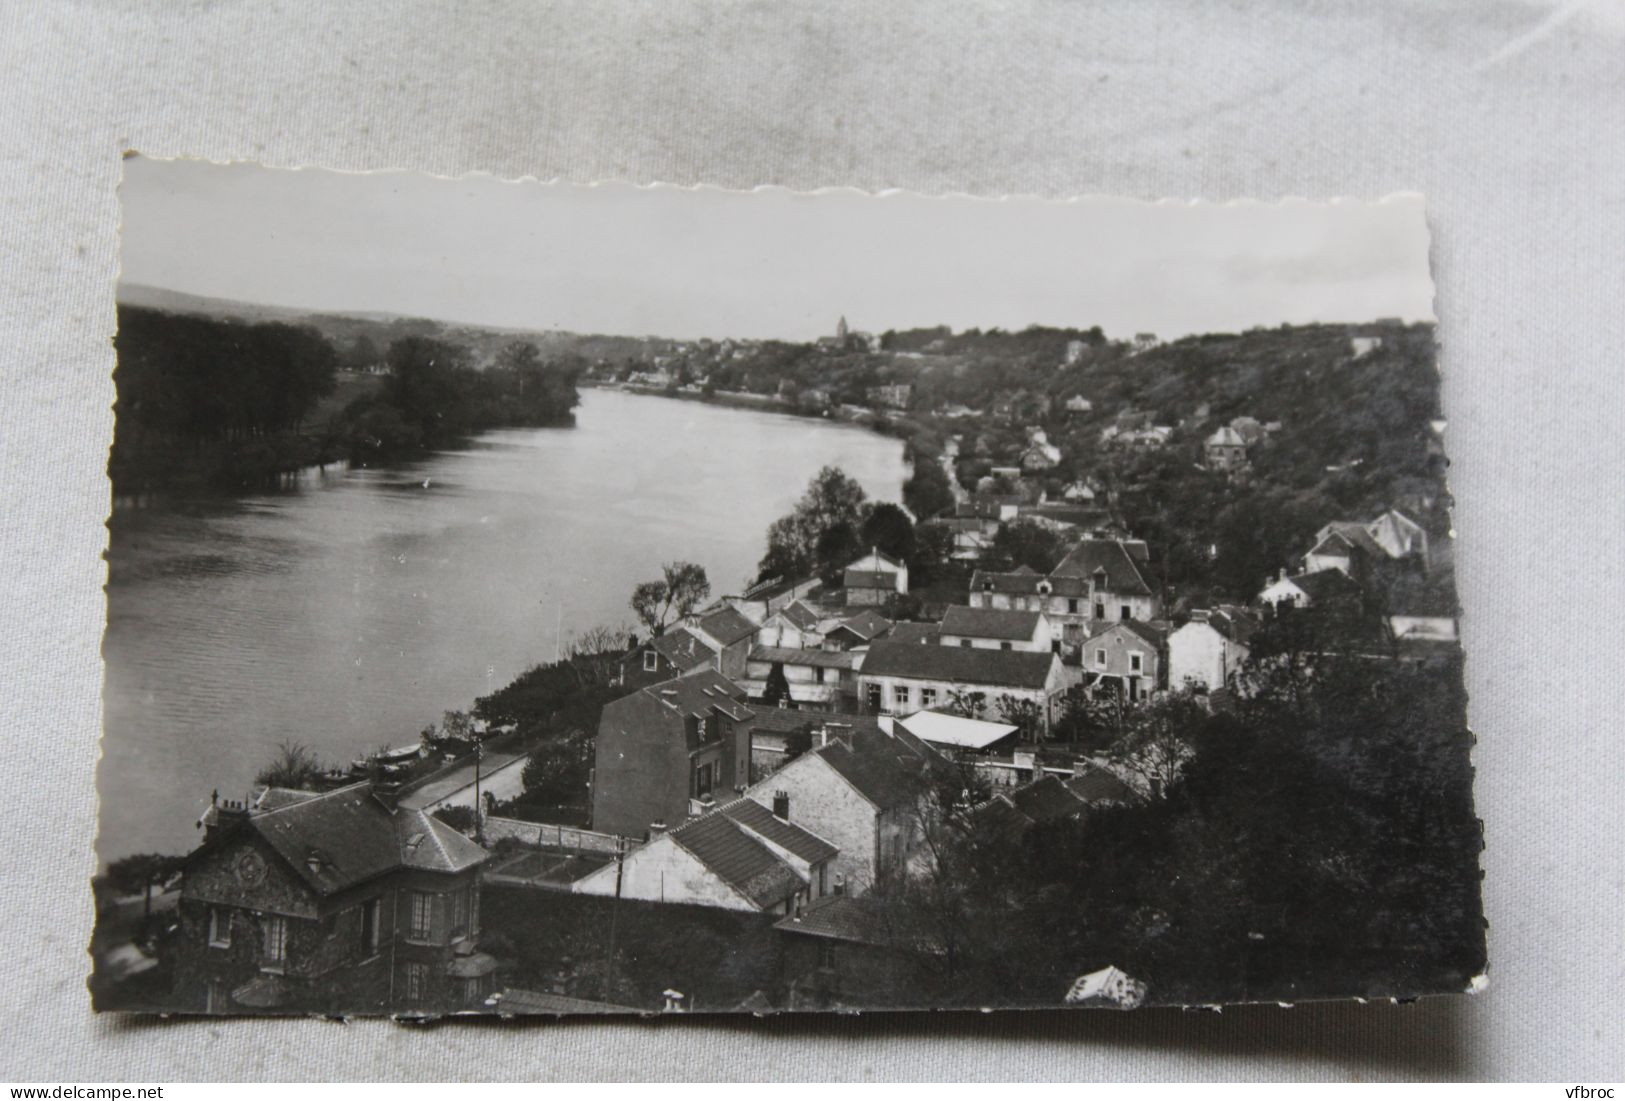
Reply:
x=335, y=902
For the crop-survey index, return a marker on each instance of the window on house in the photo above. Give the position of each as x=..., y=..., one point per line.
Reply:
x=1071, y=605
x=1100, y=659
x=417, y=982
x=651, y=661
x=1100, y=610
x=1125, y=612
x=459, y=912
x=1007, y=646
x=964, y=642
x=1136, y=662
x=371, y=914
x=818, y=674
x=219, y=927
x=928, y=697
x=274, y=939
x=899, y=695
x=702, y=781
x=826, y=954
x=422, y=926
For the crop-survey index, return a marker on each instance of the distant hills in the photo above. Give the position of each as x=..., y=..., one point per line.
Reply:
x=344, y=329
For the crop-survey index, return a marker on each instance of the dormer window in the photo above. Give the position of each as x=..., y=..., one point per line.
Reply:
x=1100, y=580
x=651, y=661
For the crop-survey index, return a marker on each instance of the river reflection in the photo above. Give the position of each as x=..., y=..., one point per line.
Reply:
x=355, y=607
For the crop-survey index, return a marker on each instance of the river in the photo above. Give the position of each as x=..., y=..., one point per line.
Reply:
x=354, y=607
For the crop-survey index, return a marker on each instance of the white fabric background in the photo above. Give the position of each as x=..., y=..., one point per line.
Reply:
x=1509, y=116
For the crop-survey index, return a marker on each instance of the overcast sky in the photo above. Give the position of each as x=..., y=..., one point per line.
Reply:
x=670, y=262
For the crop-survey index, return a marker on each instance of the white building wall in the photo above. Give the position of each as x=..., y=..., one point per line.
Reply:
x=1197, y=654
x=944, y=693
x=663, y=871
x=823, y=803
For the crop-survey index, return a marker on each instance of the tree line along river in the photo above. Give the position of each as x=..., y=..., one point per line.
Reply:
x=354, y=607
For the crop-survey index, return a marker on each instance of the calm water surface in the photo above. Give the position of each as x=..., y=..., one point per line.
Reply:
x=350, y=611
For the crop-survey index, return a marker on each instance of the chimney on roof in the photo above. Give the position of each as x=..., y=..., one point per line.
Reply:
x=781, y=805
x=840, y=884
x=387, y=792
x=230, y=815
x=656, y=828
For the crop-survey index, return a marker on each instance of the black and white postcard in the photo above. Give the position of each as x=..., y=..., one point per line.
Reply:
x=540, y=598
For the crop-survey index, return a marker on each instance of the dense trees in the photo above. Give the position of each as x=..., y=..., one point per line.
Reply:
x=205, y=400
x=822, y=527
x=432, y=395
x=1024, y=543
x=212, y=400
x=216, y=380
x=1316, y=843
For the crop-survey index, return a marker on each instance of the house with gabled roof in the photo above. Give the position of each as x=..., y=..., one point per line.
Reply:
x=856, y=631
x=1128, y=656
x=1225, y=449
x=676, y=653
x=330, y=902
x=864, y=794
x=739, y=856
x=876, y=579
x=793, y=626
x=729, y=632
x=900, y=678
x=1345, y=546
x=1399, y=536
x=997, y=629
x=1099, y=581
x=669, y=751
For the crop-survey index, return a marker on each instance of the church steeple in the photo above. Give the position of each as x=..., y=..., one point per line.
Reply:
x=840, y=328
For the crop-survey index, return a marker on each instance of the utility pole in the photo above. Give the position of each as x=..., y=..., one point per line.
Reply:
x=479, y=802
